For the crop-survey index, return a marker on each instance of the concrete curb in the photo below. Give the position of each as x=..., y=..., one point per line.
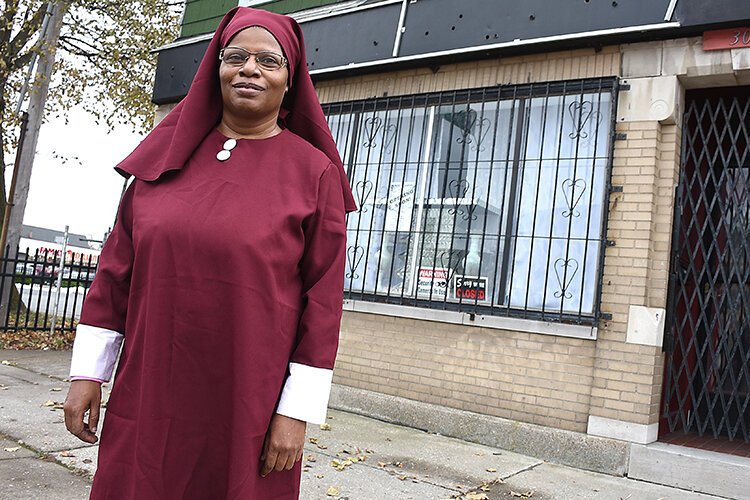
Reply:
x=573, y=449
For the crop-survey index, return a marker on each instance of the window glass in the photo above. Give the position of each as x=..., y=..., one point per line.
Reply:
x=480, y=201
x=561, y=189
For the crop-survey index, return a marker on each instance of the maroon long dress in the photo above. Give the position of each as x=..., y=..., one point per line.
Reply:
x=219, y=276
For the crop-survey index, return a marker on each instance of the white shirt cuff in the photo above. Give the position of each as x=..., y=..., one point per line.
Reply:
x=95, y=352
x=305, y=394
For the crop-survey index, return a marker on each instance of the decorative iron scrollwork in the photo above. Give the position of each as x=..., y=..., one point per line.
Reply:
x=354, y=256
x=370, y=129
x=581, y=113
x=450, y=260
x=565, y=270
x=372, y=126
x=457, y=190
x=573, y=191
x=467, y=121
x=363, y=189
x=389, y=137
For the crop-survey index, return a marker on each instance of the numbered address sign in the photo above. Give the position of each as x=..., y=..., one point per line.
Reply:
x=732, y=38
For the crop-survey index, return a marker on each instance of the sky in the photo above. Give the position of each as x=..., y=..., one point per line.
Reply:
x=83, y=194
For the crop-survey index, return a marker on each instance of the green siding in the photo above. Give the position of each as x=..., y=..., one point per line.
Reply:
x=287, y=6
x=203, y=16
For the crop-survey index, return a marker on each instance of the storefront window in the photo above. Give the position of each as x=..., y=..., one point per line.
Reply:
x=490, y=200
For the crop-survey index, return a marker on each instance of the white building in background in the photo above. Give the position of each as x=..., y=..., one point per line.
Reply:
x=49, y=242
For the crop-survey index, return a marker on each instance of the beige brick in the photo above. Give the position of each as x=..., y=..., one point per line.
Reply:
x=534, y=378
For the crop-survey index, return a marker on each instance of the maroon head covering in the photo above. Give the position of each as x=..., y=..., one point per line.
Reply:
x=175, y=138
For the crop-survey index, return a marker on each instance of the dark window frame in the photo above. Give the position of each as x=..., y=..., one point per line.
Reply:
x=363, y=110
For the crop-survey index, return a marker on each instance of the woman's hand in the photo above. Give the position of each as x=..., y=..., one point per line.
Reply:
x=285, y=440
x=83, y=395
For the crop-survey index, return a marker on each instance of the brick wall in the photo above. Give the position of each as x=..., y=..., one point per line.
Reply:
x=583, y=63
x=528, y=377
x=543, y=379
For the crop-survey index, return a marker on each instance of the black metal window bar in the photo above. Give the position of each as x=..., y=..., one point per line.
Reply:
x=34, y=277
x=707, y=375
x=487, y=201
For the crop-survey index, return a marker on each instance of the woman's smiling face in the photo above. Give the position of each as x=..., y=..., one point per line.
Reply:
x=250, y=93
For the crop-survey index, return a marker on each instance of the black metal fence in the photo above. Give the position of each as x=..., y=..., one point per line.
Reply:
x=29, y=292
x=707, y=376
x=490, y=201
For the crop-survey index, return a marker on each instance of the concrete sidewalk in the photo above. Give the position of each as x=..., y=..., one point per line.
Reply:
x=356, y=458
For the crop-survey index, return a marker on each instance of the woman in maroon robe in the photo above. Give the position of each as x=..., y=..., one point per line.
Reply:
x=223, y=281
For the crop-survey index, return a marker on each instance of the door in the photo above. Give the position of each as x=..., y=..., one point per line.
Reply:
x=707, y=371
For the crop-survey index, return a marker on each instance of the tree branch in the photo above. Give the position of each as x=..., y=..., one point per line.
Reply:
x=68, y=44
x=81, y=44
x=30, y=26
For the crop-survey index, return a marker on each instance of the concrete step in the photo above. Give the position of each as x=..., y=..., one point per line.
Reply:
x=691, y=469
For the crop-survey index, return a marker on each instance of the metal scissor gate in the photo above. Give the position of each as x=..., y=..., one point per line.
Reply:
x=707, y=343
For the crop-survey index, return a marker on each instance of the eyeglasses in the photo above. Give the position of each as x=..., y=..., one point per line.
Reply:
x=267, y=60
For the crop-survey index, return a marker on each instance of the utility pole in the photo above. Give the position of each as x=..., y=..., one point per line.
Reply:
x=37, y=99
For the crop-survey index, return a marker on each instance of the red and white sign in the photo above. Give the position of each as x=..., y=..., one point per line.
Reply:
x=470, y=288
x=432, y=282
x=732, y=38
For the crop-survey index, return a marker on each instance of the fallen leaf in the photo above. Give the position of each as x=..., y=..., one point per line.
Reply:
x=66, y=453
x=49, y=402
x=86, y=460
x=527, y=494
x=313, y=440
x=402, y=478
x=56, y=389
x=320, y=476
x=491, y=470
x=340, y=465
x=383, y=464
x=333, y=492
x=322, y=447
x=13, y=449
x=474, y=495
x=310, y=458
x=5, y=362
x=325, y=427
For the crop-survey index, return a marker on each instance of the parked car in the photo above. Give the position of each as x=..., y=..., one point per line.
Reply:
x=25, y=269
x=84, y=275
x=45, y=273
